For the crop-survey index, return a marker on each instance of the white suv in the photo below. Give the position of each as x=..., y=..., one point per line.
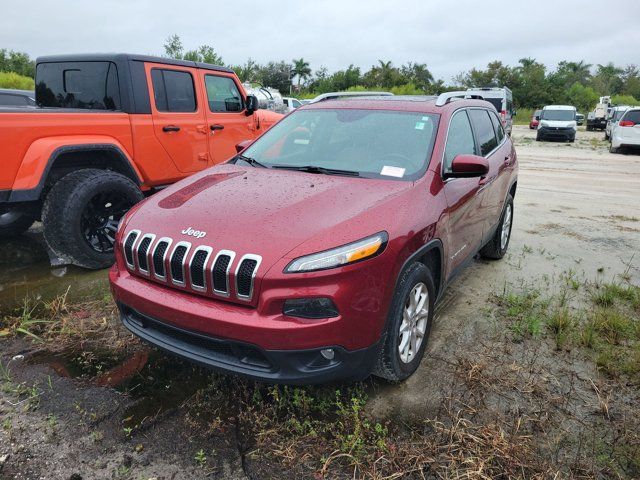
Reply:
x=626, y=133
x=614, y=117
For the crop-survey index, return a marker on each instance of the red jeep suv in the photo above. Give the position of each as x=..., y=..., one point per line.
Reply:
x=319, y=251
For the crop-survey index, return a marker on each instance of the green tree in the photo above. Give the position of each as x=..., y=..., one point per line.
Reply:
x=532, y=89
x=631, y=81
x=301, y=70
x=276, y=75
x=13, y=80
x=173, y=47
x=18, y=62
x=418, y=75
x=583, y=98
x=247, y=71
x=608, y=79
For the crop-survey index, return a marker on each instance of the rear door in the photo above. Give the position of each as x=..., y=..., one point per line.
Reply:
x=227, y=122
x=494, y=149
x=178, y=118
x=464, y=195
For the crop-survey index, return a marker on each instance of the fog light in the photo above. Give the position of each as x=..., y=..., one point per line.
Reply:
x=314, y=308
x=328, y=353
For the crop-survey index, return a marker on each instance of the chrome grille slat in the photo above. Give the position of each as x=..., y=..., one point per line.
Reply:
x=141, y=252
x=220, y=269
x=197, y=268
x=177, y=263
x=128, y=244
x=159, y=257
x=246, y=274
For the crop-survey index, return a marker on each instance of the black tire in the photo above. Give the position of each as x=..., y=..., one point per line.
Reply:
x=390, y=365
x=495, y=249
x=81, y=211
x=613, y=149
x=15, y=222
x=606, y=137
x=572, y=140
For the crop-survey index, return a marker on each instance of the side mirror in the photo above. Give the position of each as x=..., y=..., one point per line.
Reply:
x=252, y=104
x=242, y=145
x=467, y=166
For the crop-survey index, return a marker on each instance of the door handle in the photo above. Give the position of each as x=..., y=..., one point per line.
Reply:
x=170, y=128
x=216, y=126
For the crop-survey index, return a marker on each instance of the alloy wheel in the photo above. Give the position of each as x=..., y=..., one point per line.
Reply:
x=414, y=322
x=100, y=218
x=506, y=227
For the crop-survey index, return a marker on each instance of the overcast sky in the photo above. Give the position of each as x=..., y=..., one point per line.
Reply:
x=449, y=36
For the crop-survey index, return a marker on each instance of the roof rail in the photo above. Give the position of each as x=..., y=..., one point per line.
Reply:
x=335, y=95
x=446, y=97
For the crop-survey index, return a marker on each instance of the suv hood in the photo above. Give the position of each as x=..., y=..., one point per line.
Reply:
x=261, y=211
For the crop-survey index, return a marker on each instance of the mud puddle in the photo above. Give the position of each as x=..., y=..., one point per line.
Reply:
x=156, y=383
x=29, y=269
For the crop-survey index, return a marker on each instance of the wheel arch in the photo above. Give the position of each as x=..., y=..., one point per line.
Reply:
x=432, y=256
x=36, y=177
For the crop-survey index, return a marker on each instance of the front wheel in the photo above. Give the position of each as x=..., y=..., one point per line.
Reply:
x=497, y=246
x=81, y=215
x=408, y=324
x=14, y=222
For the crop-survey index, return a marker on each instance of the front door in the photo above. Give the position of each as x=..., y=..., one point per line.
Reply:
x=227, y=122
x=179, y=120
x=464, y=195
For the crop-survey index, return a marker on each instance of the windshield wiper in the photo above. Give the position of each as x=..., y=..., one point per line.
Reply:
x=317, y=169
x=251, y=161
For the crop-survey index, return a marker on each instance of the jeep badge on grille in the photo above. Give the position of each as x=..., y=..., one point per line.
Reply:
x=193, y=233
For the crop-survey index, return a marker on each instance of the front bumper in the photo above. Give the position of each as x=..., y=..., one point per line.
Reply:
x=556, y=133
x=298, y=367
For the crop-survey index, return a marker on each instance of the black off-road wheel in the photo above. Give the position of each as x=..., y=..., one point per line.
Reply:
x=13, y=222
x=81, y=215
x=408, y=324
x=497, y=246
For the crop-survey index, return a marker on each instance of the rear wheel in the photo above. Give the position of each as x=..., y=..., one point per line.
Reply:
x=497, y=246
x=613, y=149
x=81, y=215
x=14, y=222
x=408, y=325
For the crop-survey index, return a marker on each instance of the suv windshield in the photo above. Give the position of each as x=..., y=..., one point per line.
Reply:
x=369, y=143
x=559, y=115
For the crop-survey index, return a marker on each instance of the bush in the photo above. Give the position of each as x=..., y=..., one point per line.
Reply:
x=624, y=100
x=13, y=80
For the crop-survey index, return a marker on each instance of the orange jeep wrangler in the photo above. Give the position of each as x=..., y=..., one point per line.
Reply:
x=108, y=130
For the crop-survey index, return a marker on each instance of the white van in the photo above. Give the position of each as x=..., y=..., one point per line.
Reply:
x=502, y=99
x=557, y=122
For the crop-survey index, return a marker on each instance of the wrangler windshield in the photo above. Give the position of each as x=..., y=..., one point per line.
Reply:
x=559, y=115
x=365, y=143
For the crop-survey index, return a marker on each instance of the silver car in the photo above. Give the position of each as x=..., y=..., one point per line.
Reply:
x=614, y=117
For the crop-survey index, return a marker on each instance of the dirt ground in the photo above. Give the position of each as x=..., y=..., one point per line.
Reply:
x=488, y=399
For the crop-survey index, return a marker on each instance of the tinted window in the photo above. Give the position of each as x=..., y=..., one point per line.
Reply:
x=223, y=94
x=618, y=115
x=632, y=116
x=173, y=90
x=484, y=130
x=9, y=100
x=459, y=139
x=497, y=125
x=88, y=85
x=496, y=102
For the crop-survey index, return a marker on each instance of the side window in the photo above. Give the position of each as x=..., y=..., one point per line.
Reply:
x=173, y=90
x=484, y=131
x=459, y=139
x=223, y=94
x=13, y=100
x=497, y=125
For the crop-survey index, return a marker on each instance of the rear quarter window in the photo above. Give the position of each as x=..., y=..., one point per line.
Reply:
x=632, y=116
x=84, y=85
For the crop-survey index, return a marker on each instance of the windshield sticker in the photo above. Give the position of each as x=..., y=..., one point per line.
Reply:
x=392, y=171
x=420, y=125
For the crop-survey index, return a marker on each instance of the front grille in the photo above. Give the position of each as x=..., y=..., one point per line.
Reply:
x=220, y=272
x=197, y=267
x=128, y=247
x=245, y=275
x=177, y=265
x=191, y=270
x=158, y=257
x=143, y=249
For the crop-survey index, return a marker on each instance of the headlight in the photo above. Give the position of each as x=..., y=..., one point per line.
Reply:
x=336, y=257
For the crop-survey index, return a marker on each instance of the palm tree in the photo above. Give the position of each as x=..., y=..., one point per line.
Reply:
x=301, y=69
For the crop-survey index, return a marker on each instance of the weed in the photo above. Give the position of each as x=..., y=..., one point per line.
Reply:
x=201, y=458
